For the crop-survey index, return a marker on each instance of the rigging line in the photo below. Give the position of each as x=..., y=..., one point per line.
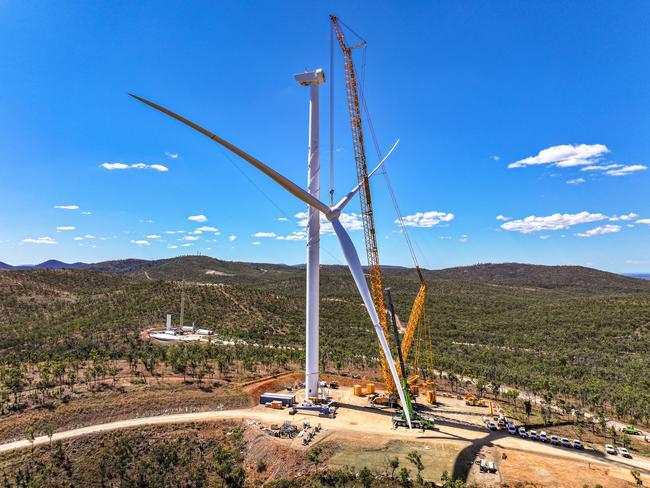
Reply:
x=331, y=76
x=388, y=182
x=258, y=188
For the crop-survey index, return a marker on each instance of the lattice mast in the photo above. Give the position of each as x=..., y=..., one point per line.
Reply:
x=370, y=237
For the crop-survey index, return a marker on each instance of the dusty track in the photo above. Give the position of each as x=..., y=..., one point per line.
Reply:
x=355, y=422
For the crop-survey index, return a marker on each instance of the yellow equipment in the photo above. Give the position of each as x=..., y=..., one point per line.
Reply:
x=416, y=317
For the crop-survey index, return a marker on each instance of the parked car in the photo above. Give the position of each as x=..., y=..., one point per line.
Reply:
x=511, y=428
x=491, y=425
x=609, y=449
x=631, y=430
x=565, y=442
x=554, y=440
x=577, y=444
x=522, y=433
x=502, y=423
x=533, y=435
x=624, y=452
x=483, y=466
x=492, y=467
x=543, y=437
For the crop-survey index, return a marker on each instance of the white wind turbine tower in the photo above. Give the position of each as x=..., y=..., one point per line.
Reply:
x=331, y=213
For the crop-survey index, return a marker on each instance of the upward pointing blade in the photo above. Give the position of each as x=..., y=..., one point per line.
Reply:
x=286, y=183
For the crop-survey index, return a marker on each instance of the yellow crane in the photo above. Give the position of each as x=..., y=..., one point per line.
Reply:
x=415, y=332
x=370, y=237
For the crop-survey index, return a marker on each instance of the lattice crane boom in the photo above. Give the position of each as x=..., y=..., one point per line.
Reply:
x=370, y=237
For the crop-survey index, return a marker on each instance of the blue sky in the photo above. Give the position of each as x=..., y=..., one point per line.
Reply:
x=498, y=105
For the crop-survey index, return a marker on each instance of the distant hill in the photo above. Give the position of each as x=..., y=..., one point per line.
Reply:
x=205, y=269
x=50, y=264
x=640, y=276
x=575, y=278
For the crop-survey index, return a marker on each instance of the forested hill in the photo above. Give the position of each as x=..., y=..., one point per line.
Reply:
x=573, y=279
x=554, y=329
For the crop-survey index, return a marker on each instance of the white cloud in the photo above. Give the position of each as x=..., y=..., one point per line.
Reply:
x=89, y=236
x=62, y=228
x=86, y=213
x=78, y=238
x=67, y=207
x=630, y=216
x=232, y=238
x=463, y=238
x=503, y=218
x=426, y=219
x=603, y=229
x=564, y=156
x=190, y=238
x=113, y=166
x=283, y=219
x=207, y=228
x=265, y=234
x=185, y=245
x=544, y=237
x=197, y=218
x=40, y=240
x=174, y=232
x=601, y=167
x=626, y=170
x=141, y=242
x=350, y=221
x=576, y=181
x=153, y=236
x=643, y=221
x=296, y=235
x=171, y=155
x=495, y=158
x=552, y=222
x=256, y=243
x=172, y=247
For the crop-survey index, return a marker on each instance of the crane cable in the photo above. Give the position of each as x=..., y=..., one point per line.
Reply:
x=373, y=135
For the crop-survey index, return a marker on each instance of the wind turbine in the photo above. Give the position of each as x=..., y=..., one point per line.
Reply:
x=331, y=213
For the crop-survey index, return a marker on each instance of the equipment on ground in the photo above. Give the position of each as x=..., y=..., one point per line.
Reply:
x=286, y=399
x=473, y=401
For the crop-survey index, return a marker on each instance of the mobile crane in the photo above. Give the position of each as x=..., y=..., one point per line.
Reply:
x=418, y=420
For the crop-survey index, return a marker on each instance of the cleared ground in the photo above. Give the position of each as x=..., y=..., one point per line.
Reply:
x=364, y=437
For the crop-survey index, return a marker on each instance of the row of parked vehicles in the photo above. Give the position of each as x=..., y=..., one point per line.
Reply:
x=544, y=437
x=500, y=421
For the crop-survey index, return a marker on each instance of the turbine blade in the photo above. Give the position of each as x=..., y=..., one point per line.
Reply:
x=284, y=182
x=354, y=264
x=345, y=200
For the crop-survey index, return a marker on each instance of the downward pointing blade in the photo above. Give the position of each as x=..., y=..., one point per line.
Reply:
x=286, y=183
x=354, y=264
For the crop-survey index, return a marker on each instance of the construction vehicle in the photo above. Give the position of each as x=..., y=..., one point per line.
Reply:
x=326, y=410
x=416, y=317
x=473, y=401
x=418, y=420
